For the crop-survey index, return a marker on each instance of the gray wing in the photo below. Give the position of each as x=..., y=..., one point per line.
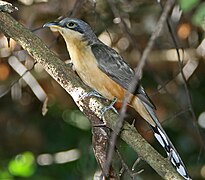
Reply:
x=112, y=64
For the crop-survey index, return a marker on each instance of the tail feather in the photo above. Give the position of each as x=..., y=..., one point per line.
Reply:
x=159, y=135
x=165, y=142
x=147, y=112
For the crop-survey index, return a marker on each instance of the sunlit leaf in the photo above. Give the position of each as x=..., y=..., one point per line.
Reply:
x=23, y=165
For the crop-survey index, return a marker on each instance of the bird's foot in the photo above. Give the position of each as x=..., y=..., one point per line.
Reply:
x=104, y=109
x=69, y=61
x=111, y=106
x=92, y=93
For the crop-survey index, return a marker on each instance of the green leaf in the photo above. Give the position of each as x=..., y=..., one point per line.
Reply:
x=187, y=5
x=23, y=165
x=199, y=16
x=5, y=175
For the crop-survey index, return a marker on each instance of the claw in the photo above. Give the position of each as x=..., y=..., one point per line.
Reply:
x=100, y=125
x=96, y=94
x=92, y=93
x=111, y=106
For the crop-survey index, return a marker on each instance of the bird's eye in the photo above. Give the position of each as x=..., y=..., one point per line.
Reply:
x=71, y=25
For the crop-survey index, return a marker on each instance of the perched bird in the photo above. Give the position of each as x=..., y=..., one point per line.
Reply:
x=105, y=71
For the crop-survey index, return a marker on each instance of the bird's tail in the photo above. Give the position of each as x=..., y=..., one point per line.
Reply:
x=147, y=112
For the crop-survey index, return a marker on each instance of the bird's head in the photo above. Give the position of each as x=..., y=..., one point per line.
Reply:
x=73, y=29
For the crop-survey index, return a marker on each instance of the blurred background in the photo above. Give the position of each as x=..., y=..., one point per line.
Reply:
x=58, y=145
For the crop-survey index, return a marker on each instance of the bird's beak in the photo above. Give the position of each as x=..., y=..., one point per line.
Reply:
x=54, y=26
x=51, y=25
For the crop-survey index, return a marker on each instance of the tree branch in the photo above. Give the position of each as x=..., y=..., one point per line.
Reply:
x=90, y=106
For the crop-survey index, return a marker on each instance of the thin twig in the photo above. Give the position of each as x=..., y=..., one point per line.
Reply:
x=180, y=64
x=136, y=163
x=135, y=80
x=125, y=166
x=36, y=29
x=75, y=9
x=16, y=81
x=122, y=23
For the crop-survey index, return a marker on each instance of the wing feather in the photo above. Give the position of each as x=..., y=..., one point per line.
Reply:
x=111, y=63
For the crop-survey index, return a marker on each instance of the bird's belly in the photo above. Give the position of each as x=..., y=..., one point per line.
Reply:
x=100, y=82
x=91, y=75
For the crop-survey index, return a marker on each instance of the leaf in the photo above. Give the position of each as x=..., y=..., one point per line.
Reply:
x=199, y=16
x=22, y=165
x=187, y=5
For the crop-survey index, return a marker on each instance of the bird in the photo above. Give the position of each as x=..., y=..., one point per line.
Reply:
x=106, y=72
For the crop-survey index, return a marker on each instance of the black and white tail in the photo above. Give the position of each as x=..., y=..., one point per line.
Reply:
x=165, y=142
